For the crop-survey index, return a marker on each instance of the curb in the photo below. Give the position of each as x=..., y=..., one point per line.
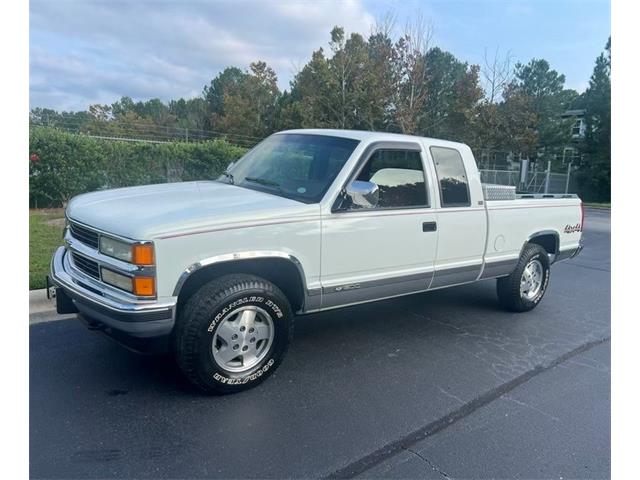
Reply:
x=41, y=309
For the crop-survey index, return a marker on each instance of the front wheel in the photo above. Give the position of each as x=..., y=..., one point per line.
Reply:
x=233, y=333
x=524, y=288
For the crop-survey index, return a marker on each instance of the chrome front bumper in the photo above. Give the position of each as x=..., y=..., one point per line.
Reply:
x=101, y=306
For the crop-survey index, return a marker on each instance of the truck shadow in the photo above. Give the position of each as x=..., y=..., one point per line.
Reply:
x=441, y=305
x=403, y=319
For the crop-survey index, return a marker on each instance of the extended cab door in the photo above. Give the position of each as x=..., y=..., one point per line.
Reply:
x=462, y=218
x=387, y=250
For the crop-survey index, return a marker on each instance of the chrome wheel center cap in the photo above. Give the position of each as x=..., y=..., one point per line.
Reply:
x=242, y=339
x=531, y=280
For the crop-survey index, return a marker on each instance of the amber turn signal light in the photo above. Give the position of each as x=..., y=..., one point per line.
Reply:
x=142, y=254
x=144, y=286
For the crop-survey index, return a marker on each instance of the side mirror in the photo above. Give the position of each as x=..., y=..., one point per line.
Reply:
x=363, y=194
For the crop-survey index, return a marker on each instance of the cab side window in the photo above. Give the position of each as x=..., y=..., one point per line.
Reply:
x=454, y=185
x=399, y=176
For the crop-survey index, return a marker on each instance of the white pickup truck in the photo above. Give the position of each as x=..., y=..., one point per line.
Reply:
x=308, y=220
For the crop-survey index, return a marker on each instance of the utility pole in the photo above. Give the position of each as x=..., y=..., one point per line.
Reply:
x=524, y=171
x=566, y=185
x=547, y=177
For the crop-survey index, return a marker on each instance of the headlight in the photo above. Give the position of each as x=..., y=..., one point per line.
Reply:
x=116, y=249
x=137, y=253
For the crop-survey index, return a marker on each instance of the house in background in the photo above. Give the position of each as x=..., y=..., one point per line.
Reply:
x=579, y=126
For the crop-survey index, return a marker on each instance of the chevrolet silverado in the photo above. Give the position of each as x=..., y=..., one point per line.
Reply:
x=308, y=220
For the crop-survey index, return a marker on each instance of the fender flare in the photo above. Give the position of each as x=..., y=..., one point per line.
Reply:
x=244, y=256
x=545, y=233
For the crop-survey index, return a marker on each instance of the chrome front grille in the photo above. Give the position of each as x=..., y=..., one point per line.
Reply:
x=86, y=265
x=84, y=235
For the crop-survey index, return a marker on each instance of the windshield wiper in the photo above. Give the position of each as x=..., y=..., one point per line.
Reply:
x=263, y=181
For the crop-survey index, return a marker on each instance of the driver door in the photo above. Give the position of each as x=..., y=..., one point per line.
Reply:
x=390, y=248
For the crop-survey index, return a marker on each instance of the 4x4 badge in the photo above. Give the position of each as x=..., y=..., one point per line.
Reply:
x=573, y=228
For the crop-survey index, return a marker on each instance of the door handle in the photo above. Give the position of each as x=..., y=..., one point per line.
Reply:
x=429, y=226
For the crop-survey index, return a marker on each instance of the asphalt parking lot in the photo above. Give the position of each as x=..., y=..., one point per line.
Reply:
x=437, y=385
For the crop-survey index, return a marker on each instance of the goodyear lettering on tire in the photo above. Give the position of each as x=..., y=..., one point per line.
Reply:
x=277, y=312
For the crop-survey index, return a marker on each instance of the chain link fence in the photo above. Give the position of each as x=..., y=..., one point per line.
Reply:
x=552, y=172
x=131, y=131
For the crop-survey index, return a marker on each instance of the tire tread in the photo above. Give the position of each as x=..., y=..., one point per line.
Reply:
x=194, y=315
x=508, y=288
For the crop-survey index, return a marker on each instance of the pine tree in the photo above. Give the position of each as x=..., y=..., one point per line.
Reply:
x=595, y=172
x=549, y=99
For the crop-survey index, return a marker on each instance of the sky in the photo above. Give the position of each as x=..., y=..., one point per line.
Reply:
x=84, y=52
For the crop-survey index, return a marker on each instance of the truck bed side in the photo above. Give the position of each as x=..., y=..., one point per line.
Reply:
x=511, y=223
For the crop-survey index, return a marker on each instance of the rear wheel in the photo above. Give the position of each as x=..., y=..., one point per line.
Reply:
x=233, y=333
x=524, y=288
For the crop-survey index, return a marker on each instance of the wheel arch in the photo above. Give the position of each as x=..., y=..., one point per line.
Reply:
x=547, y=239
x=282, y=269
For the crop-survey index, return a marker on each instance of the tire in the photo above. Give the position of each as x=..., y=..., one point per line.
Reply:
x=233, y=314
x=534, y=259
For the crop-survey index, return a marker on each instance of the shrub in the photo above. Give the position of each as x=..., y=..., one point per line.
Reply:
x=62, y=164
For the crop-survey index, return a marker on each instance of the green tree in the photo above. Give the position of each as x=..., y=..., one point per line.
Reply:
x=250, y=106
x=100, y=113
x=507, y=127
x=375, y=86
x=517, y=128
x=214, y=92
x=51, y=118
x=453, y=95
x=331, y=92
x=595, y=173
x=549, y=99
x=310, y=102
x=191, y=113
x=123, y=106
x=346, y=68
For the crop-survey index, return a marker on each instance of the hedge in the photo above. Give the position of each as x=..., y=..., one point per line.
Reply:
x=63, y=164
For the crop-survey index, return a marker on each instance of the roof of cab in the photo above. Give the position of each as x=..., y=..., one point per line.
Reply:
x=370, y=136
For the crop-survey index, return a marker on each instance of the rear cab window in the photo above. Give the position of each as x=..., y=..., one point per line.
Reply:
x=452, y=177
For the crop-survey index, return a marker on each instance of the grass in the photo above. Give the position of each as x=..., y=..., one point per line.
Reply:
x=45, y=235
x=597, y=205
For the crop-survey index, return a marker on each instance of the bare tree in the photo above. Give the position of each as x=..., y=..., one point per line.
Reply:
x=420, y=31
x=343, y=67
x=411, y=73
x=497, y=74
x=385, y=25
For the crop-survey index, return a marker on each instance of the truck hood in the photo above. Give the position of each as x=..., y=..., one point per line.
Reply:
x=165, y=210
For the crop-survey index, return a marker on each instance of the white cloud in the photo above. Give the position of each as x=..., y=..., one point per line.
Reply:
x=85, y=52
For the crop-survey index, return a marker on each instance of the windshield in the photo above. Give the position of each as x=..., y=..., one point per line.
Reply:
x=292, y=165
